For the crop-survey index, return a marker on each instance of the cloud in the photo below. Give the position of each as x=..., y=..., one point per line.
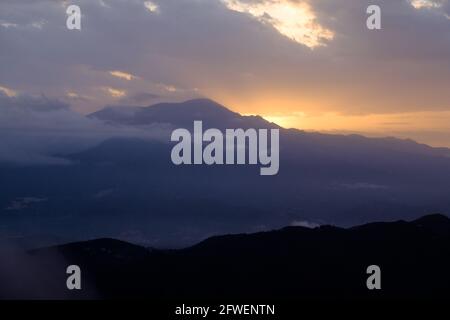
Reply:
x=122, y=75
x=363, y=185
x=141, y=98
x=36, y=130
x=6, y=24
x=420, y=4
x=169, y=87
x=115, y=93
x=11, y=101
x=77, y=97
x=305, y=224
x=295, y=20
x=151, y=6
x=39, y=24
x=24, y=203
x=246, y=54
x=7, y=91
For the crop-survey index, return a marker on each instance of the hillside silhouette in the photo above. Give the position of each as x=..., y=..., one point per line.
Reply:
x=290, y=263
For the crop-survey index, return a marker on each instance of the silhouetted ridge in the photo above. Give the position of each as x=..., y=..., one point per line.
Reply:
x=433, y=220
x=293, y=262
x=181, y=114
x=435, y=223
x=103, y=250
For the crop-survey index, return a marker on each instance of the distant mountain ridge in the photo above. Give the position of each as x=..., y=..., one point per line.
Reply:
x=129, y=188
x=181, y=114
x=215, y=115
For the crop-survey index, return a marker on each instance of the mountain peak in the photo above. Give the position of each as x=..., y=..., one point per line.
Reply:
x=433, y=218
x=182, y=114
x=202, y=102
x=436, y=223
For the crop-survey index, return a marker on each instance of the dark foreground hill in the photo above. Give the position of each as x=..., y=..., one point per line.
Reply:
x=294, y=262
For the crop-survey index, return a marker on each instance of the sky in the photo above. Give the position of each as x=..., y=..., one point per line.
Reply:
x=308, y=64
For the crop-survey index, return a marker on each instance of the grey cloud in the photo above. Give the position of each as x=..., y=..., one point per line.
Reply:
x=24, y=203
x=305, y=224
x=141, y=98
x=30, y=103
x=403, y=67
x=35, y=130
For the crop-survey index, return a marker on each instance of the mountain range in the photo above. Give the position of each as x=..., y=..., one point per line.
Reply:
x=127, y=187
